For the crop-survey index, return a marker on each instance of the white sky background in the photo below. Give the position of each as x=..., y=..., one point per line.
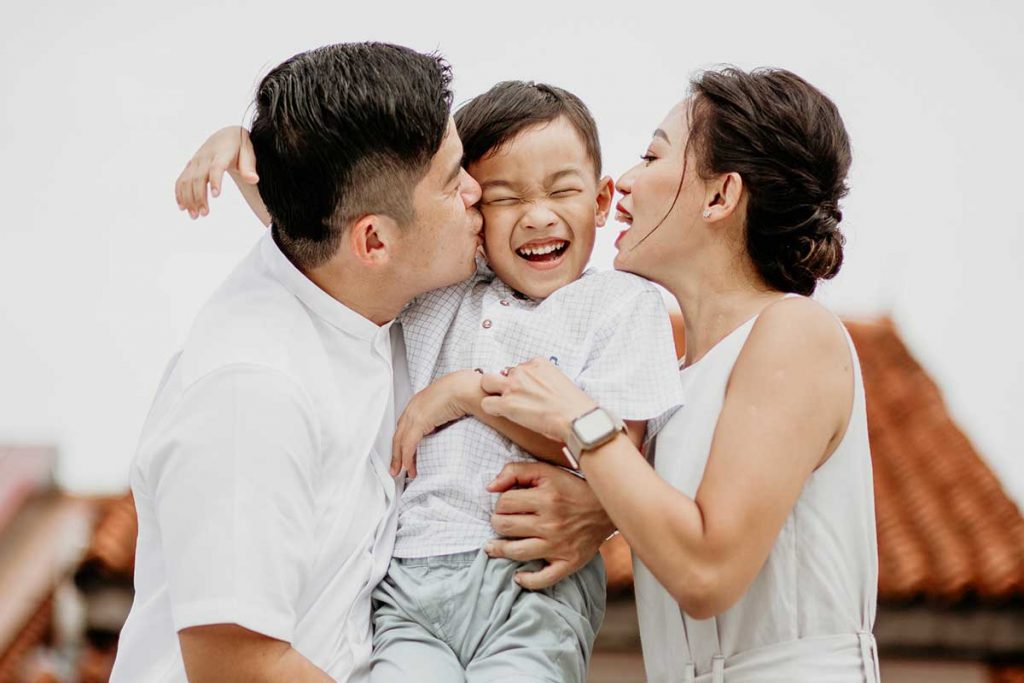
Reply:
x=101, y=104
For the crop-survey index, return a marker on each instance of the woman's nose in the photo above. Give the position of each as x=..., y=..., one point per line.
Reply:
x=624, y=184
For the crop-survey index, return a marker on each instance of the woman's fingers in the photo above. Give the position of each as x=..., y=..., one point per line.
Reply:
x=199, y=179
x=247, y=160
x=494, y=384
x=217, y=169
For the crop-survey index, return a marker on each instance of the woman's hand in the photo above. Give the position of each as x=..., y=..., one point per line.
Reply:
x=444, y=401
x=229, y=149
x=538, y=396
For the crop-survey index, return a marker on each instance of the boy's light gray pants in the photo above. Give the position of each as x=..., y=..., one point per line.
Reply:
x=462, y=618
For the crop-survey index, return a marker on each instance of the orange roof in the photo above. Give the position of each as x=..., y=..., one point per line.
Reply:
x=946, y=527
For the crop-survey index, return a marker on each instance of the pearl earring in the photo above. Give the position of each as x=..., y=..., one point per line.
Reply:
x=707, y=213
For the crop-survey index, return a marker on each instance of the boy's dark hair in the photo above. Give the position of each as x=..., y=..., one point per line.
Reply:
x=787, y=141
x=490, y=120
x=342, y=131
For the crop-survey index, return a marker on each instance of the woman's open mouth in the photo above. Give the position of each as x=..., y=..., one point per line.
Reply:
x=543, y=255
x=623, y=216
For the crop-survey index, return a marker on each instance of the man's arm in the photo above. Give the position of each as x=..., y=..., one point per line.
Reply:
x=225, y=653
x=232, y=473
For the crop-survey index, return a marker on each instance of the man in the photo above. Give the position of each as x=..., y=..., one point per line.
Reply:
x=266, y=512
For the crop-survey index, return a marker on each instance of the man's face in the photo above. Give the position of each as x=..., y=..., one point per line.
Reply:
x=541, y=204
x=440, y=247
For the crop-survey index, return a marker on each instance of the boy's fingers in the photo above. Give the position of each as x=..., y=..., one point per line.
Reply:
x=409, y=460
x=546, y=577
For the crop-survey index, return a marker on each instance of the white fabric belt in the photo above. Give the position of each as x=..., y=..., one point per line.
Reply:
x=847, y=656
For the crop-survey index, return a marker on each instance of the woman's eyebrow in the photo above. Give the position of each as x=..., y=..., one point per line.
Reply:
x=659, y=133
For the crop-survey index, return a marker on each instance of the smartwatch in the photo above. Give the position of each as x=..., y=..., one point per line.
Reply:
x=590, y=430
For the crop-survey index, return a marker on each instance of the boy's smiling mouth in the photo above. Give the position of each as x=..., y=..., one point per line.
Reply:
x=543, y=254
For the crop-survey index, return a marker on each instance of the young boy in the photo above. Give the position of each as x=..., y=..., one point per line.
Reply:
x=446, y=611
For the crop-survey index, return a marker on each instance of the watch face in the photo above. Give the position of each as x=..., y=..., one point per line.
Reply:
x=594, y=426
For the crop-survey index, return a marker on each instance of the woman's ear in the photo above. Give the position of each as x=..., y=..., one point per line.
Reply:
x=723, y=196
x=603, y=204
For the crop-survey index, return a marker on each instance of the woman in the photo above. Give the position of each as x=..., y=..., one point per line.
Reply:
x=753, y=533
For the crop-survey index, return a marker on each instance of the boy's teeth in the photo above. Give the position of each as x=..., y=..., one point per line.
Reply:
x=540, y=251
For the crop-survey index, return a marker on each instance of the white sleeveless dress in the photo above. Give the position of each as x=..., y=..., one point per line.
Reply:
x=807, y=616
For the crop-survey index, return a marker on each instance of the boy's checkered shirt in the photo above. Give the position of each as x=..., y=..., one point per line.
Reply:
x=608, y=331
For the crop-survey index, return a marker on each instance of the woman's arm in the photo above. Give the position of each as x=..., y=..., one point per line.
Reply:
x=458, y=395
x=230, y=150
x=786, y=406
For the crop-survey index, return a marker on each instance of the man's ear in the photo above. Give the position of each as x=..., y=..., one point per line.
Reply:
x=605, y=195
x=723, y=196
x=372, y=238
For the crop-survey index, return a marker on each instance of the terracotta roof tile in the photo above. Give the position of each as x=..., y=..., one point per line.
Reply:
x=946, y=528
x=111, y=553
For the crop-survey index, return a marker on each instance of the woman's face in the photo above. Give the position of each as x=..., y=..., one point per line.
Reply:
x=649, y=200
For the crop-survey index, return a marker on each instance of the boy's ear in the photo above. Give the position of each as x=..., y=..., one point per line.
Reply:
x=605, y=195
x=372, y=238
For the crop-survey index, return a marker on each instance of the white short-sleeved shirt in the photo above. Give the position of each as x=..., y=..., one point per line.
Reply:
x=608, y=331
x=261, y=477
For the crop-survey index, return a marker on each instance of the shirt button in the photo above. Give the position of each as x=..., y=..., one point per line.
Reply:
x=504, y=302
x=487, y=324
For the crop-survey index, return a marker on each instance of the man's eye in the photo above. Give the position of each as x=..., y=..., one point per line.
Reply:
x=501, y=201
x=565, y=192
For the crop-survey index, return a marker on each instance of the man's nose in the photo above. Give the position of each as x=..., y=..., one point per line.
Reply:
x=471, y=191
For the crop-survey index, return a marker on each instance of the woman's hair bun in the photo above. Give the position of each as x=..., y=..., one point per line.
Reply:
x=787, y=142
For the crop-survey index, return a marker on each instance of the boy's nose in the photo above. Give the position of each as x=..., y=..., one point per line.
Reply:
x=539, y=216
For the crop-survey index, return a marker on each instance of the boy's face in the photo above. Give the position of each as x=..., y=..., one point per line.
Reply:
x=541, y=205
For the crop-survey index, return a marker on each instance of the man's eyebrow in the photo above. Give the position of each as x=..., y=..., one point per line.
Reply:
x=454, y=174
x=659, y=133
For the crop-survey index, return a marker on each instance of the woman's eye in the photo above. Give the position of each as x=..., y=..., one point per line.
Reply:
x=648, y=158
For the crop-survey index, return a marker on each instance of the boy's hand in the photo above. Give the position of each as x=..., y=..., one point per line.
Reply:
x=442, y=402
x=229, y=149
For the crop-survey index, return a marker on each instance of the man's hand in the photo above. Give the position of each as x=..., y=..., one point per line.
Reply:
x=442, y=402
x=549, y=514
x=229, y=149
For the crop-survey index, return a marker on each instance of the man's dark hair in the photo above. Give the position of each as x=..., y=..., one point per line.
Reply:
x=492, y=119
x=343, y=131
